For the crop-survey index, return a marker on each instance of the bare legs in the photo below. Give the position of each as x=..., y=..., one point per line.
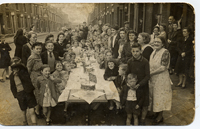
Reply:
x=144, y=113
x=182, y=80
x=47, y=113
x=129, y=117
x=33, y=117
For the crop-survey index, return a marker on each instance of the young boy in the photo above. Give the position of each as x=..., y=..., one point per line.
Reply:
x=132, y=99
x=22, y=89
x=140, y=66
x=49, y=56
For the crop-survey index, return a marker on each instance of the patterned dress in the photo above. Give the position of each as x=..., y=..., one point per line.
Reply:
x=160, y=92
x=34, y=64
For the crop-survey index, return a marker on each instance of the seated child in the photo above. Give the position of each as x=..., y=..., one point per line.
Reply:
x=67, y=67
x=108, y=56
x=22, y=89
x=67, y=57
x=73, y=63
x=100, y=59
x=96, y=51
x=111, y=74
x=47, y=92
x=76, y=49
x=120, y=82
x=132, y=99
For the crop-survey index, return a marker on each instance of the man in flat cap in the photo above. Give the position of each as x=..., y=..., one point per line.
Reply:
x=126, y=26
x=85, y=30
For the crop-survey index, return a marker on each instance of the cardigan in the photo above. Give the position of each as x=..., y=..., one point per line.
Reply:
x=44, y=56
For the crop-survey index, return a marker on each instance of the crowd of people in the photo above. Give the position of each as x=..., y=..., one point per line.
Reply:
x=139, y=65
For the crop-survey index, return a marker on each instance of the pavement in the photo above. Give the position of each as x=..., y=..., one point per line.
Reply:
x=182, y=111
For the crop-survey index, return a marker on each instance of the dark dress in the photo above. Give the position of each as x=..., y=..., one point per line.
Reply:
x=130, y=105
x=183, y=63
x=141, y=69
x=19, y=42
x=147, y=52
x=4, y=55
x=60, y=48
x=175, y=37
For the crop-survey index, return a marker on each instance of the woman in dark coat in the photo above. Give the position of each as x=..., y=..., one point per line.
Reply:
x=173, y=41
x=4, y=59
x=126, y=52
x=185, y=52
x=19, y=41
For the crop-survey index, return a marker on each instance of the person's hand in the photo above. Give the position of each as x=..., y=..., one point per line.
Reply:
x=136, y=87
x=4, y=49
x=61, y=58
x=109, y=79
x=169, y=41
x=137, y=106
x=119, y=91
x=183, y=54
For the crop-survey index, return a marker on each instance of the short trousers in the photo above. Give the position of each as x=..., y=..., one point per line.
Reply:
x=130, y=108
x=26, y=100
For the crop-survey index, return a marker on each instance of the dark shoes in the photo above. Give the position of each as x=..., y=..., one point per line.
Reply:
x=157, y=122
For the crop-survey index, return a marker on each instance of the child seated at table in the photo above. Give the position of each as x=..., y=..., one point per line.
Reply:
x=76, y=49
x=132, y=99
x=96, y=51
x=110, y=74
x=120, y=82
x=73, y=57
x=108, y=56
x=67, y=67
x=100, y=59
x=47, y=92
x=111, y=71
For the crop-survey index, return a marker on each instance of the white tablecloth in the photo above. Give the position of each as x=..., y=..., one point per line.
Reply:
x=77, y=74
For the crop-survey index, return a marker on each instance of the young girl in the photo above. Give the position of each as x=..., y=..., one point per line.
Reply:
x=110, y=74
x=76, y=49
x=4, y=59
x=132, y=99
x=47, y=92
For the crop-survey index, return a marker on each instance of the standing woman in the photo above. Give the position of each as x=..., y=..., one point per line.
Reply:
x=143, y=40
x=27, y=48
x=185, y=51
x=126, y=52
x=4, y=59
x=156, y=30
x=19, y=41
x=60, y=46
x=162, y=31
x=34, y=65
x=160, y=92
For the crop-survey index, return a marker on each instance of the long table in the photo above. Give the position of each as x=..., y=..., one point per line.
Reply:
x=76, y=74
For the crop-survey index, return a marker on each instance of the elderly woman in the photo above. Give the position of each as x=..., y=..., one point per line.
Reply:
x=185, y=54
x=160, y=92
x=126, y=52
x=143, y=40
x=34, y=65
x=26, y=49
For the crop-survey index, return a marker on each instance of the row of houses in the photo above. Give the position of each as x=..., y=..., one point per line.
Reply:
x=142, y=16
x=45, y=17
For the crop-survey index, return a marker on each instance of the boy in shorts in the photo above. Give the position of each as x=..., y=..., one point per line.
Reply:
x=22, y=89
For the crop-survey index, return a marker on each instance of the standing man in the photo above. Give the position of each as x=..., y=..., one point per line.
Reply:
x=100, y=24
x=114, y=41
x=85, y=31
x=126, y=26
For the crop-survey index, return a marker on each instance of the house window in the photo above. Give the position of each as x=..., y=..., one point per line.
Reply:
x=24, y=7
x=17, y=6
x=8, y=20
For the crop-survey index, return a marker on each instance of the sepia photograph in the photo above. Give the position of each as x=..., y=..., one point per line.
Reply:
x=99, y=64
